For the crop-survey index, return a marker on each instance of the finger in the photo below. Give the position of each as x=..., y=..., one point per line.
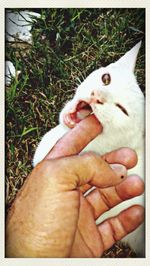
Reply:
x=76, y=139
x=115, y=228
x=123, y=156
x=87, y=168
x=104, y=199
x=83, y=189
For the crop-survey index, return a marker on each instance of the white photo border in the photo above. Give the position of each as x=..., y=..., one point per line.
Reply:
x=72, y=4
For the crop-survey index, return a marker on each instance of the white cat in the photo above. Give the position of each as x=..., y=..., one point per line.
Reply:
x=115, y=98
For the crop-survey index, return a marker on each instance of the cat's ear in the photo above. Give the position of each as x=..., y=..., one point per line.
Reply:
x=129, y=59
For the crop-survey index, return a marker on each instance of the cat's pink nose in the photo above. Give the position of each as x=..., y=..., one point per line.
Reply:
x=96, y=97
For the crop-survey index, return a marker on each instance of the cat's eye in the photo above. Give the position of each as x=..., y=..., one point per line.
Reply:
x=122, y=109
x=106, y=79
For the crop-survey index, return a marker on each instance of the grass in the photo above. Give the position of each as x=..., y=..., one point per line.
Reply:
x=67, y=45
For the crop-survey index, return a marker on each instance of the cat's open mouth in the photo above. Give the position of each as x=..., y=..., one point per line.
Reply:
x=81, y=110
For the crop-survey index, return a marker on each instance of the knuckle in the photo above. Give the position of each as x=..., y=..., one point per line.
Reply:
x=92, y=158
x=91, y=155
x=47, y=166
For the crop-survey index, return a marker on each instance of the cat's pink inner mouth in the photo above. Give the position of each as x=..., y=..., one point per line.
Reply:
x=82, y=110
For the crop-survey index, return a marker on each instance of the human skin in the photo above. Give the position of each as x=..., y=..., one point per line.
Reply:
x=50, y=216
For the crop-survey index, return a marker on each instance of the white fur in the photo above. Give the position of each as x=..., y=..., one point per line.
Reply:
x=119, y=130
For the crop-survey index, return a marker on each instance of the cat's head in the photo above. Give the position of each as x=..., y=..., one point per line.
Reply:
x=112, y=93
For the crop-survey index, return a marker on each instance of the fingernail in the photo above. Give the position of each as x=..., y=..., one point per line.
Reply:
x=120, y=170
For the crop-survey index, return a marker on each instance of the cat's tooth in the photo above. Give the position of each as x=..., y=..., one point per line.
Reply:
x=70, y=122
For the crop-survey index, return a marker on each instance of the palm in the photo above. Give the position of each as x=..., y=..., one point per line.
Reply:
x=88, y=241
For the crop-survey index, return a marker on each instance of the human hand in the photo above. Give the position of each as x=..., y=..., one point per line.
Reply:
x=57, y=221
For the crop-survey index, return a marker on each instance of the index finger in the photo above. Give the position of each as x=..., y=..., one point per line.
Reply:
x=124, y=156
x=77, y=138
